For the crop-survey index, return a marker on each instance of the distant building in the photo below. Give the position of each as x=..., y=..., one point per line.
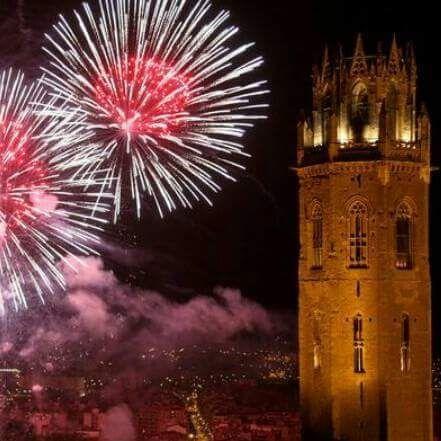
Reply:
x=10, y=381
x=84, y=424
x=365, y=316
x=165, y=417
x=274, y=426
x=75, y=386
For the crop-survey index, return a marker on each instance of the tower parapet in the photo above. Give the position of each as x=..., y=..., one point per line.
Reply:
x=365, y=106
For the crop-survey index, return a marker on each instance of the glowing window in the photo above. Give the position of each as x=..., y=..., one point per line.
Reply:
x=405, y=343
x=317, y=356
x=359, y=112
x=392, y=111
x=317, y=237
x=317, y=345
x=358, y=235
x=358, y=345
x=403, y=233
x=327, y=110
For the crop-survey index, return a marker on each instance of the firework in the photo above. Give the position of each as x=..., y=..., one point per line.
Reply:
x=164, y=93
x=45, y=216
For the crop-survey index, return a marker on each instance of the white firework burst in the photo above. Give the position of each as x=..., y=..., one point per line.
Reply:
x=45, y=215
x=164, y=93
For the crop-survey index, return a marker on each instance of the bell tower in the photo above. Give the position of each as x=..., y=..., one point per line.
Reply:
x=364, y=280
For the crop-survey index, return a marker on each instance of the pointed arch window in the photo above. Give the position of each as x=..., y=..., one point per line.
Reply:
x=326, y=112
x=403, y=236
x=358, y=235
x=392, y=112
x=358, y=344
x=317, y=236
x=359, y=112
x=405, y=343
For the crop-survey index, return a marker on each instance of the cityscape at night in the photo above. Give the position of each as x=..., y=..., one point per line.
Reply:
x=219, y=221
x=254, y=398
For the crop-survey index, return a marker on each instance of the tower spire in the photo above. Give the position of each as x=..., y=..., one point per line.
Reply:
x=359, y=64
x=411, y=60
x=359, y=47
x=326, y=65
x=394, y=56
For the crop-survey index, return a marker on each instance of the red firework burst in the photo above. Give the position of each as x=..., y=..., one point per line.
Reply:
x=44, y=218
x=145, y=98
x=164, y=94
x=22, y=176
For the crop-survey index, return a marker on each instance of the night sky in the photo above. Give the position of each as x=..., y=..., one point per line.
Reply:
x=248, y=239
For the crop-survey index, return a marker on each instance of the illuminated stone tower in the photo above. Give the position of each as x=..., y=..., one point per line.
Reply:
x=364, y=174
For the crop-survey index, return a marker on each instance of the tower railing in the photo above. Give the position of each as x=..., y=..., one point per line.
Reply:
x=350, y=150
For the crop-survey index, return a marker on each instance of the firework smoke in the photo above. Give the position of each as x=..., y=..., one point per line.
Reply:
x=102, y=322
x=118, y=424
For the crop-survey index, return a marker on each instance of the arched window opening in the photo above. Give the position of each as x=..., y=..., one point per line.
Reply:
x=326, y=112
x=358, y=345
x=358, y=235
x=359, y=112
x=392, y=112
x=405, y=343
x=403, y=232
x=317, y=237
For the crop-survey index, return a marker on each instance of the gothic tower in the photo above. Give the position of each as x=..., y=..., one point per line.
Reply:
x=364, y=304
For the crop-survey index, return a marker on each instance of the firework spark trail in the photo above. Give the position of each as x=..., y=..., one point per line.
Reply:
x=45, y=216
x=162, y=92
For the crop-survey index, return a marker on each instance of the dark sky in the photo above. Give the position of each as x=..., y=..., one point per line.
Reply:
x=249, y=239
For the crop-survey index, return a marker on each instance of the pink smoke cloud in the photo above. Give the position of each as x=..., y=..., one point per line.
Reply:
x=5, y=347
x=94, y=291
x=102, y=319
x=118, y=424
x=87, y=272
x=91, y=313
